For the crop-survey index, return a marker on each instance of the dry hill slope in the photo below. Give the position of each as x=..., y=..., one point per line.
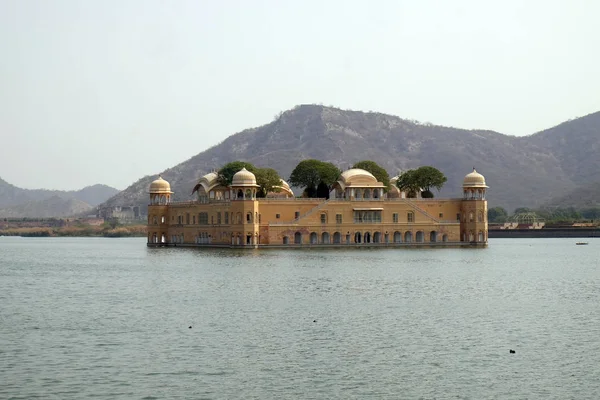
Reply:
x=521, y=171
x=11, y=195
x=53, y=207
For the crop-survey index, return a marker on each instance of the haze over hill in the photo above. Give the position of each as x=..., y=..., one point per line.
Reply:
x=521, y=171
x=16, y=202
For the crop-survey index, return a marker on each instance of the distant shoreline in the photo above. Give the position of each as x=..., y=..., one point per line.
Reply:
x=544, y=233
x=77, y=231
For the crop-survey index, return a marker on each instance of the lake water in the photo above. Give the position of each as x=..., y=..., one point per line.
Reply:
x=110, y=318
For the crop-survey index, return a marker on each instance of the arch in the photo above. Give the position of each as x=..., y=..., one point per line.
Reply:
x=375, y=194
x=314, y=238
x=367, y=194
x=420, y=237
x=240, y=194
x=471, y=216
x=376, y=237
x=154, y=220
x=397, y=237
x=367, y=237
x=471, y=236
x=154, y=238
x=297, y=238
x=248, y=194
x=444, y=238
x=433, y=236
x=325, y=238
x=480, y=237
x=357, y=237
x=408, y=236
x=286, y=240
x=358, y=194
x=337, y=238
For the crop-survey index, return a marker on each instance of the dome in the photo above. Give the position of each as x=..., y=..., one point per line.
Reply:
x=281, y=190
x=207, y=182
x=356, y=177
x=160, y=186
x=474, y=180
x=356, y=172
x=244, y=178
x=284, y=184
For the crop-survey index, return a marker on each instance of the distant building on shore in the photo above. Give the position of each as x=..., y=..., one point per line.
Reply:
x=120, y=213
x=358, y=213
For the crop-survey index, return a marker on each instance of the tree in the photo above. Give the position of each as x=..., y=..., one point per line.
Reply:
x=378, y=172
x=421, y=179
x=310, y=173
x=430, y=177
x=407, y=182
x=228, y=170
x=497, y=214
x=267, y=179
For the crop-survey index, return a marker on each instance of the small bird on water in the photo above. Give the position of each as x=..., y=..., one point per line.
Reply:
x=190, y=327
x=511, y=351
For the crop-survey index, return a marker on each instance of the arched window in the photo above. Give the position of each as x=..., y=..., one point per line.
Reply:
x=480, y=216
x=313, y=238
x=297, y=238
x=337, y=238
x=408, y=236
x=286, y=240
x=420, y=237
x=397, y=237
x=433, y=236
x=377, y=237
x=325, y=238
x=471, y=217
x=357, y=237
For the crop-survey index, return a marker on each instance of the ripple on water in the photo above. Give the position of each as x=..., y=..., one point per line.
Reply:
x=109, y=319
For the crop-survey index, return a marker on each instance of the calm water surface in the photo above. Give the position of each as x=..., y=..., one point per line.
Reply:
x=109, y=318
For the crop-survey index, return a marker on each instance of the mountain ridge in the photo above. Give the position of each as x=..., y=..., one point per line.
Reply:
x=11, y=197
x=521, y=171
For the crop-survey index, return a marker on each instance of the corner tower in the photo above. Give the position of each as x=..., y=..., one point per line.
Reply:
x=158, y=211
x=474, y=224
x=245, y=206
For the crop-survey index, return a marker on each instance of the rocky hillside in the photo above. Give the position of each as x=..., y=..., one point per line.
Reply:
x=11, y=195
x=521, y=171
x=54, y=206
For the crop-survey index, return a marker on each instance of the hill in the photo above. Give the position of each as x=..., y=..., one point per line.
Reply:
x=522, y=171
x=54, y=206
x=11, y=195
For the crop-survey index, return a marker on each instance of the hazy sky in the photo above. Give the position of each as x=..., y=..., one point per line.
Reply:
x=109, y=91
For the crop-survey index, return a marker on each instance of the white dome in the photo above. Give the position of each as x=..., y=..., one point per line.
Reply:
x=474, y=180
x=244, y=178
x=160, y=186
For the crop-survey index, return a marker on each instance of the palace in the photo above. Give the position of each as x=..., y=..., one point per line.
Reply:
x=358, y=213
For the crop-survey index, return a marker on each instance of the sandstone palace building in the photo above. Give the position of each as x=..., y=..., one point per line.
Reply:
x=358, y=213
